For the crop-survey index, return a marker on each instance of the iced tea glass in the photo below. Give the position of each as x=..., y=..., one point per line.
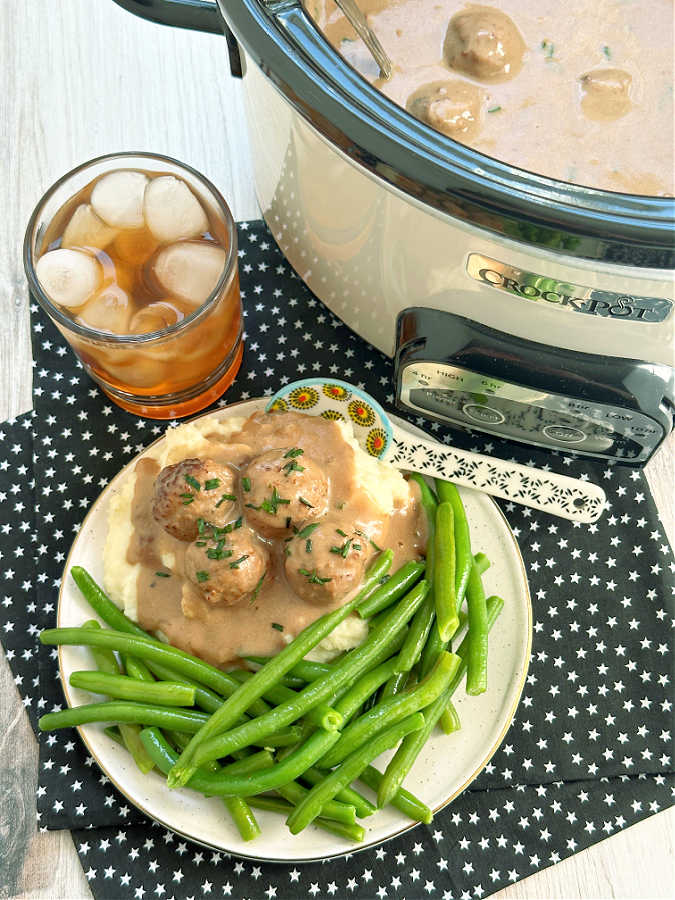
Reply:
x=171, y=371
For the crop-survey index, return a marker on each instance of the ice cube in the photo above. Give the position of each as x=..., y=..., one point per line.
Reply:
x=68, y=277
x=118, y=198
x=190, y=269
x=172, y=212
x=85, y=229
x=109, y=310
x=155, y=317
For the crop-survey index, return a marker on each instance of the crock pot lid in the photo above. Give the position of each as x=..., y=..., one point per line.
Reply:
x=390, y=143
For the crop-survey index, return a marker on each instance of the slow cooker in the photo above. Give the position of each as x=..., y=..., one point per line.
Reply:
x=525, y=307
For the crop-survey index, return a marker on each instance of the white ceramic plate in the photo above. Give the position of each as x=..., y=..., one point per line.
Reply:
x=447, y=765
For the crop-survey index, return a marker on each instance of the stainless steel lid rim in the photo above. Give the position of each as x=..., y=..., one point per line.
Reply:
x=384, y=139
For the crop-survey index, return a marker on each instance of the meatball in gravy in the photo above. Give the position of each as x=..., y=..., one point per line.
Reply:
x=325, y=562
x=231, y=539
x=226, y=568
x=283, y=488
x=452, y=107
x=484, y=42
x=605, y=94
x=191, y=490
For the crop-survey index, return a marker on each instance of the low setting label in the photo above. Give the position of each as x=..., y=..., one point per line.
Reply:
x=564, y=295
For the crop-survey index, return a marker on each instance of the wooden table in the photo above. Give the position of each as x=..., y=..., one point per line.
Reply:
x=82, y=79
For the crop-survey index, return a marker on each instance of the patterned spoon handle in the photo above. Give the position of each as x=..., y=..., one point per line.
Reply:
x=559, y=495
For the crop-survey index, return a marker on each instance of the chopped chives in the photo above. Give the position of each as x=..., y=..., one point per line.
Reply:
x=193, y=482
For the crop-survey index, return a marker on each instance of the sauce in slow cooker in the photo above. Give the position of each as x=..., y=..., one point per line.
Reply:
x=581, y=91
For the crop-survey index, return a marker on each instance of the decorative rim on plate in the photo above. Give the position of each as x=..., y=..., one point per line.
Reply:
x=348, y=850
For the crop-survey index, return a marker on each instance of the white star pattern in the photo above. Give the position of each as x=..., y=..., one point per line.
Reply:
x=599, y=677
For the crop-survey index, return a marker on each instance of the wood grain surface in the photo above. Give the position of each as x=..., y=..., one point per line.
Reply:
x=81, y=79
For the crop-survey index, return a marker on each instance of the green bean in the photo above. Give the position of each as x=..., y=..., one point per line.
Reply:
x=321, y=716
x=434, y=646
x=403, y=800
x=350, y=769
x=364, y=687
x=112, y=731
x=274, y=804
x=476, y=673
x=122, y=687
x=138, y=670
x=223, y=785
x=288, y=680
x=150, y=650
x=304, y=669
x=444, y=572
x=345, y=672
x=393, y=709
x=238, y=808
x=205, y=698
x=418, y=634
x=338, y=812
x=407, y=753
x=347, y=795
x=450, y=718
x=99, y=601
x=270, y=803
x=244, y=765
x=263, y=759
x=124, y=711
x=264, y=678
x=448, y=493
x=392, y=590
x=481, y=562
x=105, y=660
x=243, y=817
x=396, y=682
x=107, y=663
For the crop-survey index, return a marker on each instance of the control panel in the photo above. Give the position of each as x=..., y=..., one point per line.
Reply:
x=468, y=375
x=459, y=396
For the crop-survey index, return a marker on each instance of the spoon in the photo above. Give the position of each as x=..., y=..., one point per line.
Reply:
x=358, y=21
x=559, y=495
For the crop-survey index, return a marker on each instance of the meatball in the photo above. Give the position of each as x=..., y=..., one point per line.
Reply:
x=324, y=562
x=484, y=42
x=452, y=107
x=191, y=490
x=606, y=93
x=226, y=568
x=281, y=489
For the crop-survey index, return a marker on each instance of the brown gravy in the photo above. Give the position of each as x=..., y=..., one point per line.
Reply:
x=221, y=634
x=579, y=91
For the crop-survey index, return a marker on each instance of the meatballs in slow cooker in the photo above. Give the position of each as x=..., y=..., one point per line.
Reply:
x=325, y=561
x=484, y=42
x=191, y=490
x=281, y=489
x=226, y=568
x=452, y=107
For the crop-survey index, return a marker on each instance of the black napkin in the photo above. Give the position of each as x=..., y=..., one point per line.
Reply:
x=588, y=752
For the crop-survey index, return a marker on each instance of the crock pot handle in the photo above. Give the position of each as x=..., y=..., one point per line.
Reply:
x=197, y=15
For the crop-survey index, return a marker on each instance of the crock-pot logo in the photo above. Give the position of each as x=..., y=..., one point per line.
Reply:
x=564, y=295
